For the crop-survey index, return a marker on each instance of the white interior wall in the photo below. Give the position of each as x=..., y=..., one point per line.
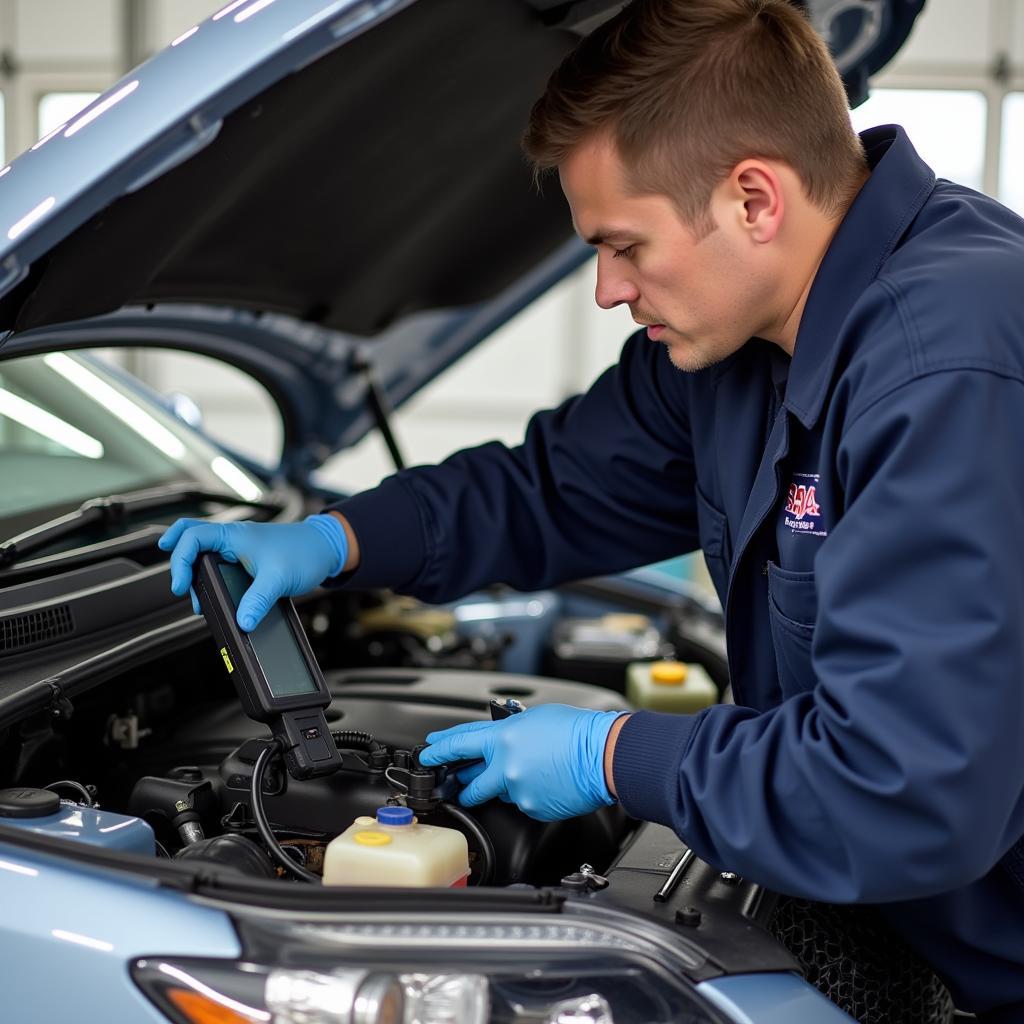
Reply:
x=951, y=32
x=167, y=19
x=1015, y=36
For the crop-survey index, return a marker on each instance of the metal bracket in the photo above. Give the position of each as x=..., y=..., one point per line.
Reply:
x=125, y=732
x=202, y=133
x=60, y=705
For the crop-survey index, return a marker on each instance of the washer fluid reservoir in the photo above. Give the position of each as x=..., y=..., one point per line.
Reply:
x=394, y=849
x=43, y=811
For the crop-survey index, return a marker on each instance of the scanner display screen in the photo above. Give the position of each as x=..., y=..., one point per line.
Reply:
x=272, y=641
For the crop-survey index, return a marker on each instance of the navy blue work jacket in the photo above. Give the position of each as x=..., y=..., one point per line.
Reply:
x=861, y=509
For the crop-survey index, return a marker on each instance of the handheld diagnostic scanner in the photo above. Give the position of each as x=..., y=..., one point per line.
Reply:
x=275, y=674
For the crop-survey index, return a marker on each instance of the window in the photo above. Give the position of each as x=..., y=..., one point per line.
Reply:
x=1011, y=163
x=946, y=126
x=57, y=108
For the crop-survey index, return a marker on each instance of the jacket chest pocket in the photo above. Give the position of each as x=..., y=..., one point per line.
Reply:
x=792, y=610
x=712, y=530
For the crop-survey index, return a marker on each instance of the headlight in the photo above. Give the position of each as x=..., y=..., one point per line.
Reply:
x=421, y=971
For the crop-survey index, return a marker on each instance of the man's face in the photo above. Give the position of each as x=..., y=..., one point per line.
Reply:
x=702, y=298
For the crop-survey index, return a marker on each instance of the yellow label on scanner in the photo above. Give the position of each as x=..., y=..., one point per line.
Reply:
x=227, y=659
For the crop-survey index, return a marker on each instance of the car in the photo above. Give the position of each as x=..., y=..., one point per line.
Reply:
x=249, y=194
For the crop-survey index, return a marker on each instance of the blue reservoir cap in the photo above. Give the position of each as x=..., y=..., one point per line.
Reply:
x=395, y=815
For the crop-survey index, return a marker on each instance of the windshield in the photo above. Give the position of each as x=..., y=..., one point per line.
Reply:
x=72, y=428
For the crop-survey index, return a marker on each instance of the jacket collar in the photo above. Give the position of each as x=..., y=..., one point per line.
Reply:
x=898, y=187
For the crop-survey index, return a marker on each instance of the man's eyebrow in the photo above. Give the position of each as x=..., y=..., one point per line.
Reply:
x=603, y=235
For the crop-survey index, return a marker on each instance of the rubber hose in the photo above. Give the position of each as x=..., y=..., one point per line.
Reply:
x=482, y=838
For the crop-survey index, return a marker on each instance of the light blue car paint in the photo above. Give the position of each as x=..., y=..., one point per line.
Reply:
x=116, y=832
x=69, y=932
x=771, y=999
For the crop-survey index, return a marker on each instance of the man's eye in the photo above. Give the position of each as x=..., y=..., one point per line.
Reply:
x=627, y=251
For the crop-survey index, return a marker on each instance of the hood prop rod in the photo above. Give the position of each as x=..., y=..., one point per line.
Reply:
x=377, y=403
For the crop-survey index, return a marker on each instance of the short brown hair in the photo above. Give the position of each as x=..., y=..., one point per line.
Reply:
x=689, y=88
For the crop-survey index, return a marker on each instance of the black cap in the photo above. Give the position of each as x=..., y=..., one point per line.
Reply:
x=28, y=803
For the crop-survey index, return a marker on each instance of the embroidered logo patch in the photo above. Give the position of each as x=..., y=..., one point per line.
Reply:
x=802, y=507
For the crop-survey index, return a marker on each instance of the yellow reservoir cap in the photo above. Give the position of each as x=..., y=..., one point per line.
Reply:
x=370, y=838
x=626, y=622
x=668, y=673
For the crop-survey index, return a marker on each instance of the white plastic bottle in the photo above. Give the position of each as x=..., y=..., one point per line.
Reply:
x=394, y=849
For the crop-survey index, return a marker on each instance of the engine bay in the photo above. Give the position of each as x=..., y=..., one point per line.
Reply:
x=169, y=743
x=164, y=741
x=376, y=733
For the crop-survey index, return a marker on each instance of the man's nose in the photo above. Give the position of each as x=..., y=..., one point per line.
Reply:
x=614, y=287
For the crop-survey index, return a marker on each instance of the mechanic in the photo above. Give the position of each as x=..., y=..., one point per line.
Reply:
x=845, y=445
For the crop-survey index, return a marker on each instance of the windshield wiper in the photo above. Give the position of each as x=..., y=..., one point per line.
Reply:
x=114, y=510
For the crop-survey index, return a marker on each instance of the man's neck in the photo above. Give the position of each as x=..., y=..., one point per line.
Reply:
x=817, y=235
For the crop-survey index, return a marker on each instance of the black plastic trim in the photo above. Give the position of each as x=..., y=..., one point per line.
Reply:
x=223, y=884
x=83, y=676
x=722, y=913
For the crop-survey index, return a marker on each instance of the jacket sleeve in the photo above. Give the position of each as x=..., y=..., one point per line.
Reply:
x=901, y=774
x=603, y=483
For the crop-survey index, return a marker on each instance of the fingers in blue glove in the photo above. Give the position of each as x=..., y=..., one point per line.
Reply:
x=174, y=531
x=548, y=760
x=257, y=601
x=470, y=772
x=459, y=743
x=190, y=537
x=490, y=783
x=285, y=559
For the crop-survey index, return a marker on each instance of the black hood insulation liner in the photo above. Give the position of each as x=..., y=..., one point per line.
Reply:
x=384, y=179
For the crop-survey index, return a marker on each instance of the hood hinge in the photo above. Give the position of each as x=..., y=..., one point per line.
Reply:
x=60, y=704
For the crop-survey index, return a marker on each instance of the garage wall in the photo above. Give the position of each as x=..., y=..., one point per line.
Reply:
x=959, y=87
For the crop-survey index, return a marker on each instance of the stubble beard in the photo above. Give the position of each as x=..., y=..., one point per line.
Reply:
x=690, y=359
x=684, y=354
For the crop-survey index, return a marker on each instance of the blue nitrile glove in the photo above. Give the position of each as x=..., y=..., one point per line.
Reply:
x=548, y=760
x=284, y=559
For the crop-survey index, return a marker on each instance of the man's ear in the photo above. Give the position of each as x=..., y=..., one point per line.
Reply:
x=756, y=189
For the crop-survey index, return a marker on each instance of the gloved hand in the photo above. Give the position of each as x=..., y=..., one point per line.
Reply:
x=285, y=559
x=549, y=760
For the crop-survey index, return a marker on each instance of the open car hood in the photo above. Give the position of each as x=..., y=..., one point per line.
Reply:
x=348, y=164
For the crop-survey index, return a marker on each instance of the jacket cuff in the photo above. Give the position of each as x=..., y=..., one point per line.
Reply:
x=1004, y=1015
x=386, y=522
x=645, y=768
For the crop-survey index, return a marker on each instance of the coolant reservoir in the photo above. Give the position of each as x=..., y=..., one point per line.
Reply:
x=669, y=686
x=394, y=849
